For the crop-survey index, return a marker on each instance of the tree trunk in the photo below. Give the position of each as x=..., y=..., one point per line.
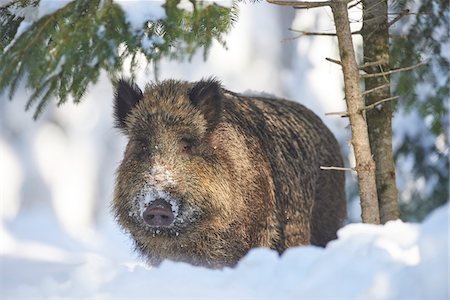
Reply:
x=365, y=166
x=375, y=34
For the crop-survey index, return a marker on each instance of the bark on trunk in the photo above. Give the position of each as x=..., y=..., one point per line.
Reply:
x=365, y=166
x=375, y=34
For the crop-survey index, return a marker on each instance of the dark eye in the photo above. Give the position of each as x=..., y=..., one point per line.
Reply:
x=142, y=148
x=186, y=145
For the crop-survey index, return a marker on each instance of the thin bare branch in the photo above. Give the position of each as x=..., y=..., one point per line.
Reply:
x=333, y=61
x=312, y=33
x=411, y=13
x=361, y=67
x=376, y=89
x=398, y=17
x=337, y=113
x=371, y=64
x=319, y=33
x=373, y=6
x=291, y=38
x=392, y=71
x=301, y=4
x=337, y=168
x=372, y=106
x=354, y=4
x=390, y=23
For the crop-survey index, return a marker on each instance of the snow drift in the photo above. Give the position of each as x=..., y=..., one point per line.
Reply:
x=394, y=261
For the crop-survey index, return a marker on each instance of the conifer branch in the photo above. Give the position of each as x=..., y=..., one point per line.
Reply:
x=88, y=34
x=24, y=50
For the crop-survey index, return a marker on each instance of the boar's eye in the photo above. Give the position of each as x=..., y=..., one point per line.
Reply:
x=187, y=145
x=142, y=148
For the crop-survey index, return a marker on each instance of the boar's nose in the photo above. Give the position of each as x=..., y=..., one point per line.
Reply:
x=158, y=214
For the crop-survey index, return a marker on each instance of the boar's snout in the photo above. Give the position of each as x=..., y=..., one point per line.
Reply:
x=158, y=214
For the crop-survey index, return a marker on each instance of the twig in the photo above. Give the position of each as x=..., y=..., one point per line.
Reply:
x=319, y=33
x=337, y=113
x=366, y=65
x=388, y=24
x=312, y=33
x=337, y=168
x=400, y=15
x=392, y=71
x=354, y=4
x=301, y=4
x=411, y=13
x=290, y=38
x=335, y=61
x=371, y=106
x=373, y=6
x=371, y=64
x=376, y=89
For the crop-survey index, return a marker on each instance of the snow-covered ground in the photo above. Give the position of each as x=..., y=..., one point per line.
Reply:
x=394, y=261
x=58, y=239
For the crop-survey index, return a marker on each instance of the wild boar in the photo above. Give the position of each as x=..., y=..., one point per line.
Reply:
x=208, y=174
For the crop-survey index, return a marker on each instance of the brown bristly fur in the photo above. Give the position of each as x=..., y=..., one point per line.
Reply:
x=252, y=172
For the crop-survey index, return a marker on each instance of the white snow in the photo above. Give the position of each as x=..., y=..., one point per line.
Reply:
x=157, y=180
x=187, y=5
x=10, y=198
x=5, y=2
x=33, y=13
x=47, y=7
x=139, y=12
x=394, y=261
x=148, y=195
x=136, y=13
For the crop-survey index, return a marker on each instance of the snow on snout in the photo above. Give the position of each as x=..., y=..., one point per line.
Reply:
x=160, y=177
x=149, y=195
x=157, y=182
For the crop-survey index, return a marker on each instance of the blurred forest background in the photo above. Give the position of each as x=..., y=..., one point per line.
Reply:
x=58, y=147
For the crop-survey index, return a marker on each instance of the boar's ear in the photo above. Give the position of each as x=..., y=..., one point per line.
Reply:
x=207, y=96
x=126, y=96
